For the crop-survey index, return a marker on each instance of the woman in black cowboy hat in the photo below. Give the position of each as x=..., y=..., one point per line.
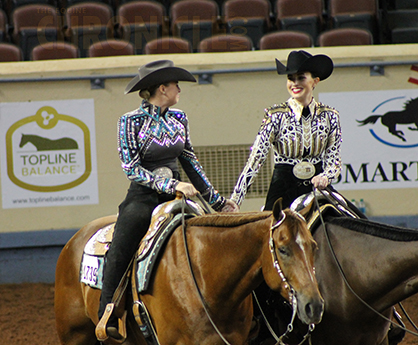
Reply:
x=305, y=135
x=151, y=139
x=306, y=138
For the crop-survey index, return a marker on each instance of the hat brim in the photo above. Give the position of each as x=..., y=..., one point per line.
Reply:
x=161, y=76
x=320, y=65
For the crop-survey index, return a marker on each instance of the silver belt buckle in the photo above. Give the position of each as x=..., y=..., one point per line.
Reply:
x=163, y=172
x=304, y=170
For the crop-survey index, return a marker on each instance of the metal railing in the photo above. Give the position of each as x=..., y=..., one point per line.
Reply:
x=205, y=76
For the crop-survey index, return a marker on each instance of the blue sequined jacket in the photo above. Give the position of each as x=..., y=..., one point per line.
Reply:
x=149, y=139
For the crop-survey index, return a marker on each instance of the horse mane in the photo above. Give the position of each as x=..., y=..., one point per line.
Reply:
x=227, y=220
x=390, y=232
x=411, y=105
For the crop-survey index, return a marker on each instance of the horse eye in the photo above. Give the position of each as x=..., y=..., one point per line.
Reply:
x=283, y=251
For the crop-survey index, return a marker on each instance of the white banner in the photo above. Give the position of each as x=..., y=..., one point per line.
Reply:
x=48, y=153
x=380, y=138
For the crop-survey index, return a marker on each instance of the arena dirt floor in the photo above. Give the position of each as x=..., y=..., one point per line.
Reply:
x=27, y=315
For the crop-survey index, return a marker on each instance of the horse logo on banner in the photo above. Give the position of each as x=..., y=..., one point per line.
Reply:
x=390, y=119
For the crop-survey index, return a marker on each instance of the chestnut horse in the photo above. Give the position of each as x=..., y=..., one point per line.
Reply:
x=230, y=254
x=380, y=264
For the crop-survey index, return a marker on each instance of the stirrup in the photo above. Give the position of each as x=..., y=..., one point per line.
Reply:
x=101, y=327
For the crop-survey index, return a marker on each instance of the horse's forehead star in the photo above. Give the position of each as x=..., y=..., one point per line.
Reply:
x=300, y=241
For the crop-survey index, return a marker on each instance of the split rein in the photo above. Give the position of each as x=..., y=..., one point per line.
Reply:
x=202, y=300
x=286, y=284
x=345, y=278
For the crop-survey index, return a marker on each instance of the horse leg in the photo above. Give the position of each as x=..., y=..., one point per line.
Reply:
x=399, y=134
x=392, y=129
x=414, y=128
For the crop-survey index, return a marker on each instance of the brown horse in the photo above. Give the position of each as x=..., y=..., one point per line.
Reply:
x=380, y=264
x=231, y=254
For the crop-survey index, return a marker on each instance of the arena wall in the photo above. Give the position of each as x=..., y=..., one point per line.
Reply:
x=224, y=108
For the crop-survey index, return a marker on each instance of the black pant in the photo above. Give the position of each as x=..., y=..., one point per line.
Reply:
x=287, y=186
x=131, y=226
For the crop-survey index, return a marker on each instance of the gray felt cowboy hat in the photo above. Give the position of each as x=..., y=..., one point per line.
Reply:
x=301, y=61
x=157, y=73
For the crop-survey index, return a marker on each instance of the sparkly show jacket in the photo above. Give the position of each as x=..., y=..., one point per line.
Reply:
x=149, y=139
x=316, y=138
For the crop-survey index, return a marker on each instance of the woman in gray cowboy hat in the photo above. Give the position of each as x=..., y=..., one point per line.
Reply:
x=305, y=135
x=151, y=139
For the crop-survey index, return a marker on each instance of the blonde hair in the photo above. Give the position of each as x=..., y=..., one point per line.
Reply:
x=150, y=91
x=145, y=94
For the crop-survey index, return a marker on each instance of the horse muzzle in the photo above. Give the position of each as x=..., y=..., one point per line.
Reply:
x=310, y=310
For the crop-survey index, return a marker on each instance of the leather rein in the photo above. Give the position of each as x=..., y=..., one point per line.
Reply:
x=292, y=294
x=340, y=269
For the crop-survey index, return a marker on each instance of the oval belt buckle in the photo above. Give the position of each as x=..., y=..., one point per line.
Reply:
x=304, y=170
x=163, y=172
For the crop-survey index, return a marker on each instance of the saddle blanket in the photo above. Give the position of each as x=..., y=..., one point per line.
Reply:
x=166, y=218
x=145, y=265
x=91, y=270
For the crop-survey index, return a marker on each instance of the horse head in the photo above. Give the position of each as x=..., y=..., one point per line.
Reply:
x=291, y=269
x=24, y=140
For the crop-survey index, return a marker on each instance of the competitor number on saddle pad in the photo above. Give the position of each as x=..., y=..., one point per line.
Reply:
x=91, y=271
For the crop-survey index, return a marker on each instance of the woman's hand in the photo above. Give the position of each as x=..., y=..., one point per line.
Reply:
x=230, y=206
x=187, y=189
x=320, y=181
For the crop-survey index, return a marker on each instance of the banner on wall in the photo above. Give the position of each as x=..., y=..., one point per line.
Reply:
x=48, y=154
x=380, y=138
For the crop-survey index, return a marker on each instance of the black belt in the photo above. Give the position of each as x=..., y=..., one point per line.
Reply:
x=288, y=168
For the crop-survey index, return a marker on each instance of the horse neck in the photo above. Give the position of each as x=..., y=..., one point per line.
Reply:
x=237, y=251
x=379, y=269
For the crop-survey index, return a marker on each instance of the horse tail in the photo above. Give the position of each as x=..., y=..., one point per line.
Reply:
x=370, y=119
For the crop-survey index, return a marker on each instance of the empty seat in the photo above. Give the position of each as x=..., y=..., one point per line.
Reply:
x=345, y=37
x=110, y=47
x=88, y=23
x=140, y=22
x=54, y=51
x=168, y=45
x=286, y=40
x=34, y=25
x=402, y=26
x=194, y=20
x=10, y=52
x=13, y=4
x=306, y=17
x=68, y=3
x=247, y=17
x=225, y=43
x=354, y=14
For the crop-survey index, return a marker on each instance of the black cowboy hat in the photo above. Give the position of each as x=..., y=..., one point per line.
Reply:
x=301, y=61
x=157, y=73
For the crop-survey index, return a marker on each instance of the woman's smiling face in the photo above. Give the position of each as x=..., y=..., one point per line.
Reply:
x=301, y=85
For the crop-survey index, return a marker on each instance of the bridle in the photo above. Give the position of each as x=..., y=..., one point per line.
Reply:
x=287, y=286
x=291, y=291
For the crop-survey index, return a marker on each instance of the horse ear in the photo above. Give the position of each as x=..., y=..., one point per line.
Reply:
x=306, y=210
x=277, y=209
